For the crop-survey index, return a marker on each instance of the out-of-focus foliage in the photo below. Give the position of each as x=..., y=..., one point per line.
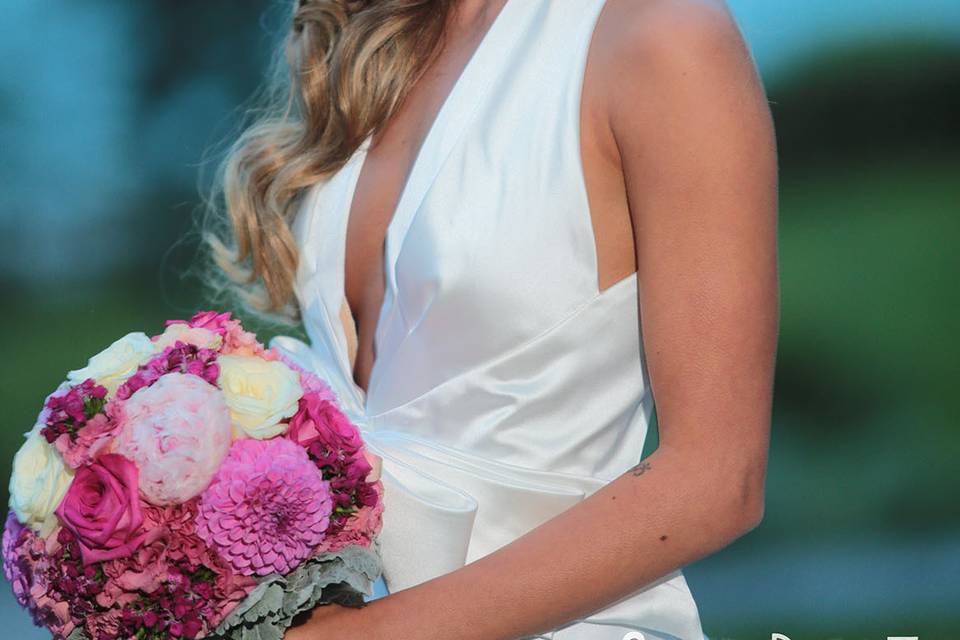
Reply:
x=891, y=100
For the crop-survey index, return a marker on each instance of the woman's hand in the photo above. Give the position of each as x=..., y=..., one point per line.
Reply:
x=315, y=624
x=332, y=621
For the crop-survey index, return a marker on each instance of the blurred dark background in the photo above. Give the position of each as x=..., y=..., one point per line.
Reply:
x=107, y=109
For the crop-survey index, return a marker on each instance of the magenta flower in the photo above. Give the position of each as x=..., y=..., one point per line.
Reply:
x=267, y=507
x=102, y=509
x=360, y=527
x=67, y=412
x=325, y=431
x=179, y=358
x=335, y=446
x=79, y=422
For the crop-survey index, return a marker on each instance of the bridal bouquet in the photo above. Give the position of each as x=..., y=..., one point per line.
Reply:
x=190, y=484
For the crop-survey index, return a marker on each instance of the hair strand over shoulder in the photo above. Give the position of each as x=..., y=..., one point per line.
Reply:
x=342, y=71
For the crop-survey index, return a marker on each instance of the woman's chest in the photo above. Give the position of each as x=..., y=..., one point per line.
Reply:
x=491, y=240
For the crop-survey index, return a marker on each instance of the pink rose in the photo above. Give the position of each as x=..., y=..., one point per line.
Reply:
x=102, y=509
x=321, y=428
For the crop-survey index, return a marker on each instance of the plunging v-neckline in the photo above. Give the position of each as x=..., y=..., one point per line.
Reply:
x=346, y=318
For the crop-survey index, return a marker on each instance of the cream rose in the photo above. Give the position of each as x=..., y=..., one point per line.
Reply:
x=203, y=338
x=112, y=366
x=259, y=393
x=38, y=483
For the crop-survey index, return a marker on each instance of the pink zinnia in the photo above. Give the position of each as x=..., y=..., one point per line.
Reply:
x=267, y=507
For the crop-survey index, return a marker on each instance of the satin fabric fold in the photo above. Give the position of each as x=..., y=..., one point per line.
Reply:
x=447, y=507
x=507, y=387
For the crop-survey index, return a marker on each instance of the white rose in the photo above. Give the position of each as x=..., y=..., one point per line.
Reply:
x=260, y=393
x=203, y=338
x=38, y=483
x=112, y=366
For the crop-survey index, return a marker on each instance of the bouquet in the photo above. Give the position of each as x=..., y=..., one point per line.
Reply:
x=187, y=485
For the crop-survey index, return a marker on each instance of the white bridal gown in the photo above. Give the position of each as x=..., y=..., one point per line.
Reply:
x=507, y=386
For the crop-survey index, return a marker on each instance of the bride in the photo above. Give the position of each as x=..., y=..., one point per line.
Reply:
x=508, y=226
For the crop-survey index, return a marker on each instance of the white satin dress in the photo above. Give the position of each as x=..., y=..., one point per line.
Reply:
x=507, y=386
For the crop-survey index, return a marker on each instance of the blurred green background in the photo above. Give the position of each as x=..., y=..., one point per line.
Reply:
x=107, y=108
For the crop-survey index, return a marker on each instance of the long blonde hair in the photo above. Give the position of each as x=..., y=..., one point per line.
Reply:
x=342, y=71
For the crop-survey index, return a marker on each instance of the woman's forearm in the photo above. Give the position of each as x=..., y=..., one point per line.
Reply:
x=671, y=509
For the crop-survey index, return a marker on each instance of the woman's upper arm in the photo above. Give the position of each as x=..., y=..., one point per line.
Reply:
x=695, y=137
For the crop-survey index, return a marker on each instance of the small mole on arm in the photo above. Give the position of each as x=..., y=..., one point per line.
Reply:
x=662, y=538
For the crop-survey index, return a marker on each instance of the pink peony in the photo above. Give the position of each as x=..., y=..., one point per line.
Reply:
x=267, y=507
x=178, y=432
x=102, y=509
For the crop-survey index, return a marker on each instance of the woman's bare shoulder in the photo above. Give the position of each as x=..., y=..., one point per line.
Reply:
x=652, y=28
x=643, y=45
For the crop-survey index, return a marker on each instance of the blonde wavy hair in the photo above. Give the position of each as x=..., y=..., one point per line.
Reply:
x=342, y=71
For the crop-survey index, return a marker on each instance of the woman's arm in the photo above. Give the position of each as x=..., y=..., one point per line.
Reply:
x=696, y=146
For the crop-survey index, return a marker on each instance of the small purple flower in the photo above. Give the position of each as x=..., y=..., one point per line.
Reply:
x=65, y=414
x=180, y=358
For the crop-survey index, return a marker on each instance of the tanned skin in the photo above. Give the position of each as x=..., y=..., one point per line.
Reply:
x=678, y=147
